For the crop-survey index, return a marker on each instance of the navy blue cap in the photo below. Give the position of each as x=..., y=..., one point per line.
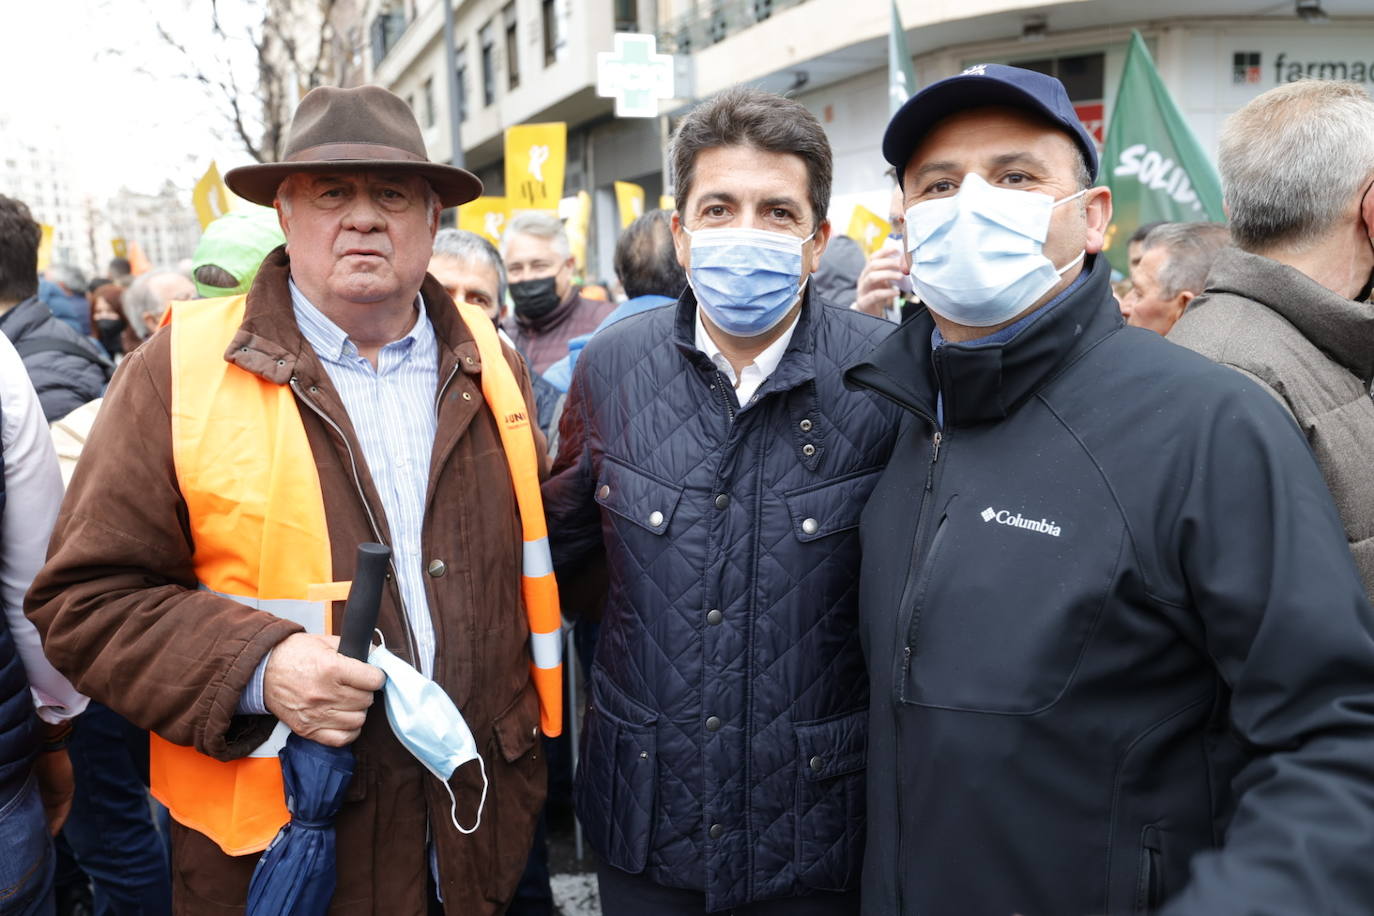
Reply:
x=984, y=84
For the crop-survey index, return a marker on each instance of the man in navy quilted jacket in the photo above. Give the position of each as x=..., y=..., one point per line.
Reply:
x=713, y=457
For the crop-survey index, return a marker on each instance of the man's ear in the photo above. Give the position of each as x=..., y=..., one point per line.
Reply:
x=681, y=243
x=1182, y=301
x=1367, y=210
x=818, y=244
x=1097, y=208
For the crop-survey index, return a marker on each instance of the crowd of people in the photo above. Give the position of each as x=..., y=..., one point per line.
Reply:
x=963, y=578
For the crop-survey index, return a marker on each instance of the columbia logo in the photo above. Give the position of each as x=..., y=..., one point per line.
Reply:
x=977, y=70
x=1015, y=520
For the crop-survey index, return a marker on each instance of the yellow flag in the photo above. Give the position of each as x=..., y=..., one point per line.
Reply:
x=868, y=229
x=535, y=158
x=210, y=196
x=667, y=202
x=121, y=248
x=44, y=247
x=629, y=199
x=577, y=221
x=485, y=216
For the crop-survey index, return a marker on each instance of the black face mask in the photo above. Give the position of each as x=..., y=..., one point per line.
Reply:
x=109, y=330
x=534, y=298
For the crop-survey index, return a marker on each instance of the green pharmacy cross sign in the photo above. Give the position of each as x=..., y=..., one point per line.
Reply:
x=635, y=75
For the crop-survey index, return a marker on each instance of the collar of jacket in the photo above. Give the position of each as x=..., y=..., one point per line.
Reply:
x=270, y=345
x=982, y=383
x=22, y=317
x=798, y=364
x=1342, y=328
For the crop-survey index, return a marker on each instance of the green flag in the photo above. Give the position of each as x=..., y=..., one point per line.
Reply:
x=901, y=78
x=1153, y=164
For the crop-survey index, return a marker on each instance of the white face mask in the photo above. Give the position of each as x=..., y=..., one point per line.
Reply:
x=429, y=725
x=977, y=256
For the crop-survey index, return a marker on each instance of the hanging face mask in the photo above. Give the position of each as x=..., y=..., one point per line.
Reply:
x=977, y=256
x=747, y=280
x=535, y=298
x=427, y=723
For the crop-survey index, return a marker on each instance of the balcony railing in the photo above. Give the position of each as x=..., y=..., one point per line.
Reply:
x=716, y=21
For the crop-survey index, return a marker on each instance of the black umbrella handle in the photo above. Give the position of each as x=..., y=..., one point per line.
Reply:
x=364, y=600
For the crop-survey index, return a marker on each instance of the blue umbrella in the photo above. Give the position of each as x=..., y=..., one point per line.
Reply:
x=296, y=874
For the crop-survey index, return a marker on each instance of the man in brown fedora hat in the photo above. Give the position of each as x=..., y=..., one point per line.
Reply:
x=241, y=456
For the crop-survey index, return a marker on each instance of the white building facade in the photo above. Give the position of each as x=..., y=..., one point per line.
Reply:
x=35, y=169
x=534, y=60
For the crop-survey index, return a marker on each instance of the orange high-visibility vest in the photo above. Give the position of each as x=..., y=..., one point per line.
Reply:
x=256, y=511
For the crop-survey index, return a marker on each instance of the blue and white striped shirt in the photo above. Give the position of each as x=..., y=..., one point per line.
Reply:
x=393, y=413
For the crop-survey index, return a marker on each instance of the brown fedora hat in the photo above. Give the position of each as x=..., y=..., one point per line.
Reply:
x=350, y=130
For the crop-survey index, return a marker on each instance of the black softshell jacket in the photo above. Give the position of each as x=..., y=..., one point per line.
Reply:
x=1121, y=661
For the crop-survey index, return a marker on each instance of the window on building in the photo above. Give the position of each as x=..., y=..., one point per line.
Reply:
x=488, y=41
x=553, y=33
x=386, y=30
x=626, y=15
x=427, y=101
x=1083, y=76
x=460, y=58
x=512, y=47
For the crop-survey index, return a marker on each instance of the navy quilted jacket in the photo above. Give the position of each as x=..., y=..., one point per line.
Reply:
x=725, y=738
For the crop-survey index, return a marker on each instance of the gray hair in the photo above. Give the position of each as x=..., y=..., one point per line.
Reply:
x=469, y=246
x=1190, y=250
x=287, y=188
x=67, y=275
x=140, y=298
x=1292, y=159
x=541, y=225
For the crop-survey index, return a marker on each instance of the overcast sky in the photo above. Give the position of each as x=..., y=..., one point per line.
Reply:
x=96, y=74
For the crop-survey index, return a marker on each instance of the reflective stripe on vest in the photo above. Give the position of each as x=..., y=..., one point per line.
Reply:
x=502, y=393
x=252, y=492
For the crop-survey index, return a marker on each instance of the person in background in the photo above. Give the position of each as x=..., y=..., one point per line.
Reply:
x=66, y=367
x=836, y=280
x=107, y=318
x=470, y=270
x=1175, y=259
x=1120, y=659
x=1288, y=306
x=712, y=457
x=147, y=298
x=884, y=288
x=63, y=290
x=37, y=704
x=647, y=267
x=120, y=271
x=548, y=310
x=231, y=250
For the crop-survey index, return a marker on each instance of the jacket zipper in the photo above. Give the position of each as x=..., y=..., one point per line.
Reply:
x=725, y=388
x=371, y=519
x=913, y=574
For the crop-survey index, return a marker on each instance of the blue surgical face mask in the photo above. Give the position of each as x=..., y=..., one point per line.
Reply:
x=977, y=256
x=428, y=725
x=746, y=280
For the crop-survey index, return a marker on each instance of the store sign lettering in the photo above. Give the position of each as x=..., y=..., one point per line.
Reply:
x=1246, y=68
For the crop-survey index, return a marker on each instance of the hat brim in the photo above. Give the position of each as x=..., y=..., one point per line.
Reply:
x=259, y=183
x=933, y=104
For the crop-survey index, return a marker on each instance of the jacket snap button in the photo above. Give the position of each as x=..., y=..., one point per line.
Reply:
x=817, y=764
x=468, y=360
x=467, y=395
x=717, y=831
x=808, y=449
x=655, y=519
x=281, y=362
x=805, y=426
x=713, y=724
x=722, y=501
x=643, y=755
x=810, y=526
x=437, y=568
x=604, y=492
x=714, y=616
